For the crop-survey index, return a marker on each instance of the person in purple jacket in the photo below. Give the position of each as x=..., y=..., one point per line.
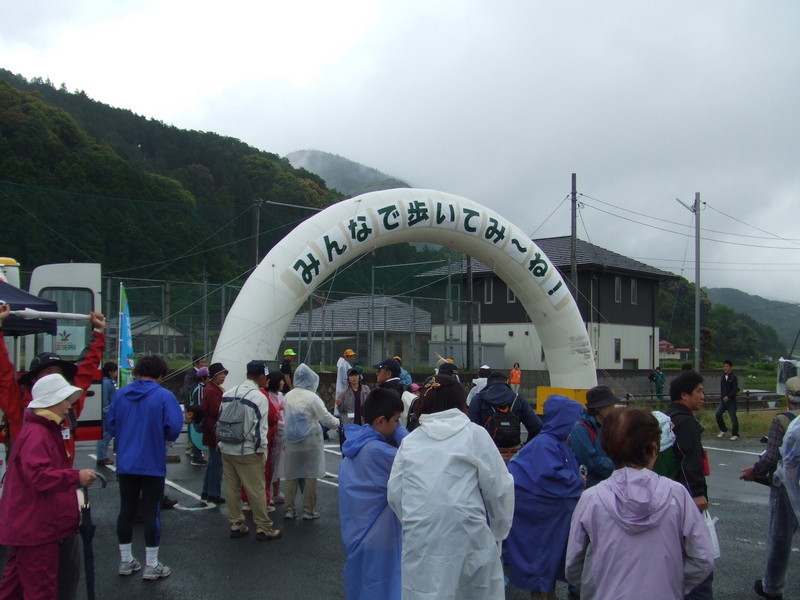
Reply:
x=39, y=510
x=623, y=522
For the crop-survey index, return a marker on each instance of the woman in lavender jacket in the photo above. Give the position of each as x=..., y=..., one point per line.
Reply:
x=637, y=534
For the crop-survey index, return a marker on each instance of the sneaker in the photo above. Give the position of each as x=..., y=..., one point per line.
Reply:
x=239, y=530
x=309, y=516
x=266, y=536
x=105, y=462
x=758, y=588
x=271, y=508
x=129, y=567
x=280, y=499
x=153, y=573
x=167, y=502
x=289, y=514
x=722, y=434
x=216, y=500
x=734, y=438
x=199, y=462
x=246, y=506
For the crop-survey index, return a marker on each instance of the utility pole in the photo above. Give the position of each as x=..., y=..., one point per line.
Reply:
x=696, y=210
x=573, y=248
x=469, y=314
x=256, y=229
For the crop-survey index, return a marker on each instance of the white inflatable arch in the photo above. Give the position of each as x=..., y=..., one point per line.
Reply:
x=298, y=264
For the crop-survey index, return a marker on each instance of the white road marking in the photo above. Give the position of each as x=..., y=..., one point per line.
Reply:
x=733, y=451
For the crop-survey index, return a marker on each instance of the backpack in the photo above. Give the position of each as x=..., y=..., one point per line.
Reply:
x=786, y=419
x=230, y=425
x=504, y=426
x=412, y=421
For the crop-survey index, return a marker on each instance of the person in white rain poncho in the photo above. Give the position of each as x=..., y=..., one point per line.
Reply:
x=450, y=489
x=304, y=449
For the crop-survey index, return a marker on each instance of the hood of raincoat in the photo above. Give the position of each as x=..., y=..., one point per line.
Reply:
x=305, y=378
x=358, y=436
x=443, y=425
x=140, y=389
x=637, y=499
x=498, y=393
x=546, y=466
x=560, y=414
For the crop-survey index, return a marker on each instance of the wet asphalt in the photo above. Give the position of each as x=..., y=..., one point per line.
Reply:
x=307, y=562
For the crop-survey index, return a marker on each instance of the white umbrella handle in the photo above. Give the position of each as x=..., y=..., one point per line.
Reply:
x=29, y=313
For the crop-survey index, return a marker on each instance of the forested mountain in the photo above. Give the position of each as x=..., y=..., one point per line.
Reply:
x=725, y=333
x=84, y=181
x=784, y=317
x=346, y=176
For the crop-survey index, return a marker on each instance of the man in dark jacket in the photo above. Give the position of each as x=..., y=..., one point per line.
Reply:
x=388, y=375
x=497, y=396
x=687, y=396
x=728, y=388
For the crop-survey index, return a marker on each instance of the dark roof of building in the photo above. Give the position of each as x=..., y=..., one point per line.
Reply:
x=355, y=314
x=558, y=249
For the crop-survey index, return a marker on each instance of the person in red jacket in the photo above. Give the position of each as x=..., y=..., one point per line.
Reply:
x=211, y=402
x=38, y=510
x=16, y=394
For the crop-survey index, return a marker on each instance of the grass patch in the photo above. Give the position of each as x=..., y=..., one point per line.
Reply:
x=753, y=424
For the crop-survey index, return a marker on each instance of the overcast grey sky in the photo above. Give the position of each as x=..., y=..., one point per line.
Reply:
x=495, y=101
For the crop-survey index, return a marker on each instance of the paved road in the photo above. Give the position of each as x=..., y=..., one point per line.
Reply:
x=307, y=562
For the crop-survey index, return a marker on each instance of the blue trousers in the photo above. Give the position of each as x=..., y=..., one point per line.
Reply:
x=212, y=482
x=730, y=408
x=102, y=445
x=782, y=528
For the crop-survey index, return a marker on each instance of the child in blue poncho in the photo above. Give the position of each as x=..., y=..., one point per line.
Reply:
x=371, y=533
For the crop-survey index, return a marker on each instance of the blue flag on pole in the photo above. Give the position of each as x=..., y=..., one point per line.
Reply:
x=125, y=361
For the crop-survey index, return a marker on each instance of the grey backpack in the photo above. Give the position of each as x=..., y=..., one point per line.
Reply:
x=230, y=425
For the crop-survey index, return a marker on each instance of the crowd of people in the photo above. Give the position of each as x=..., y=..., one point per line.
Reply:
x=439, y=496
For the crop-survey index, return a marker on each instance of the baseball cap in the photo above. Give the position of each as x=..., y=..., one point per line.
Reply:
x=348, y=352
x=390, y=365
x=448, y=368
x=256, y=367
x=289, y=352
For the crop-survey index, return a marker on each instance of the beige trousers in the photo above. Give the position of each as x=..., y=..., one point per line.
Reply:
x=309, y=494
x=245, y=471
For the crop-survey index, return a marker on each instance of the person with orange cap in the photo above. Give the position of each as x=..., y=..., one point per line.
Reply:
x=343, y=365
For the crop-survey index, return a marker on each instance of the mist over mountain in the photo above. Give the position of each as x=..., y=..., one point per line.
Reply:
x=784, y=317
x=342, y=174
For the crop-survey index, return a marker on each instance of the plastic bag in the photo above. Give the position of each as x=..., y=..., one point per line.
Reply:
x=712, y=529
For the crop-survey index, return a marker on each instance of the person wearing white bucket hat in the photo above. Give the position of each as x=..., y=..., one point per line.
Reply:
x=39, y=508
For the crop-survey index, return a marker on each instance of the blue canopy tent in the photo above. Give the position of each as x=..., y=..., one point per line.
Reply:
x=20, y=299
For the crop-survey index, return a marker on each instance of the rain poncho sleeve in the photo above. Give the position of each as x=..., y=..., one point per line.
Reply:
x=371, y=533
x=788, y=473
x=497, y=486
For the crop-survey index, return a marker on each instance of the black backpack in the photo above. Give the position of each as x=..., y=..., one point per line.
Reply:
x=504, y=426
x=412, y=421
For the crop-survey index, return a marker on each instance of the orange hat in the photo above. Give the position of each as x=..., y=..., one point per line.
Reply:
x=349, y=352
